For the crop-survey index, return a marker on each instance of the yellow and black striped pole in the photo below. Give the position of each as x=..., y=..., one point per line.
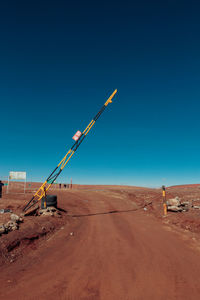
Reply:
x=41, y=192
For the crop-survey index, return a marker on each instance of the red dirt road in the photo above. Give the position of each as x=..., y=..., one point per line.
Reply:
x=120, y=256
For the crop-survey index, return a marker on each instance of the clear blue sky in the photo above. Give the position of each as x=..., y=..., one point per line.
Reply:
x=60, y=60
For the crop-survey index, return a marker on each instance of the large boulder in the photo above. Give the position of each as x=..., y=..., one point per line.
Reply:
x=16, y=218
x=11, y=226
x=174, y=201
x=174, y=208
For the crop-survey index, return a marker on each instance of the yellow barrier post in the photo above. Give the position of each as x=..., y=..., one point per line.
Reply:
x=164, y=200
x=45, y=197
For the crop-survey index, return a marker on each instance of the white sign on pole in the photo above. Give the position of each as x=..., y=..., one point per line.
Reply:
x=17, y=175
x=77, y=135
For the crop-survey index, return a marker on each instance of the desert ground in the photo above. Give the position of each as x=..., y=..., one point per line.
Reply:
x=110, y=242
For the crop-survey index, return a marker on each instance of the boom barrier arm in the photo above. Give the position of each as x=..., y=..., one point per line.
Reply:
x=56, y=172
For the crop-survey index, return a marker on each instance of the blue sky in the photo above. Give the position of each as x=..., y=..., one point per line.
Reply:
x=61, y=60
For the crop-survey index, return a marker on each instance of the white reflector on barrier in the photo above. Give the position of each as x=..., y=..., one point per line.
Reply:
x=77, y=135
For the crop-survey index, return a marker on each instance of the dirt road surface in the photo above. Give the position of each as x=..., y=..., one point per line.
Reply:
x=116, y=250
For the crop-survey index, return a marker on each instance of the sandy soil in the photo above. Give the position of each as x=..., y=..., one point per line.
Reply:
x=105, y=247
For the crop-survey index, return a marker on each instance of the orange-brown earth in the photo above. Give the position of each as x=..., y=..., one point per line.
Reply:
x=112, y=243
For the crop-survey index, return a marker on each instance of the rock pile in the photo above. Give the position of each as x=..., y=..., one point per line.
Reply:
x=176, y=205
x=49, y=211
x=11, y=225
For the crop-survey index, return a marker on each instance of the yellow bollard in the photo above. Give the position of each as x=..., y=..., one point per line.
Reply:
x=45, y=198
x=164, y=200
x=165, y=209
